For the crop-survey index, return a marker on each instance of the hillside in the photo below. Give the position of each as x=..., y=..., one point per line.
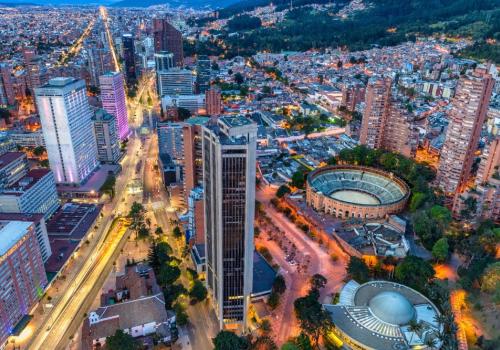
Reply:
x=383, y=22
x=177, y=3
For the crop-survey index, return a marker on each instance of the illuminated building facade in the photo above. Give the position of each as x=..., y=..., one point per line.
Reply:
x=65, y=116
x=168, y=38
x=114, y=102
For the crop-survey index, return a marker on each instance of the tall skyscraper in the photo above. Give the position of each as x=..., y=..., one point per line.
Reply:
x=229, y=156
x=129, y=58
x=168, y=38
x=467, y=115
x=65, y=116
x=378, y=97
x=203, y=71
x=7, y=96
x=213, y=101
x=105, y=131
x=113, y=101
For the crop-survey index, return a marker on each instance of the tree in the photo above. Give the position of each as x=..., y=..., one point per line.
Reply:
x=265, y=326
x=440, y=249
x=298, y=179
x=313, y=319
x=183, y=113
x=39, y=151
x=417, y=200
x=238, y=78
x=198, y=291
x=136, y=214
x=264, y=343
x=414, y=327
x=414, y=272
x=159, y=231
x=358, y=270
x=168, y=274
x=109, y=185
x=289, y=346
x=181, y=317
x=279, y=284
x=171, y=293
x=177, y=232
x=121, y=341
x=441, y=214
x=226, y=340
x=490, y=281
x=317, y=281
x=282, y=190
x=273, y=300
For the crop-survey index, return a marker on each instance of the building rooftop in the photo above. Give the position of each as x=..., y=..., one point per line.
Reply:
x=10, y=233
x=26, y=182
x=9, y=157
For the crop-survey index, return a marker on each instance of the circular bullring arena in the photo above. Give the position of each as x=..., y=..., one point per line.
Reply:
x=356, y=192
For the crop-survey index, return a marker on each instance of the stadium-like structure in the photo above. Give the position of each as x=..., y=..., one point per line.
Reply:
x=380, y=315
x=356, y=192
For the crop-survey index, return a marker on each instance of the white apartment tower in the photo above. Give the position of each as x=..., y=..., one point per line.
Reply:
x=229, y=156
x=65, y=115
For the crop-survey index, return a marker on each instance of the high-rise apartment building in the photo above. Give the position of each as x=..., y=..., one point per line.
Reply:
x=168, y=38
x=400, y=133
x=6, y=143
x=203, y=71
x=213, y=100
x=175, y=81
x=65, y=116
x=229, y=156
x=105, y=131
x=129, y=58
x=467, y=115
x=114, y=101
x=22, y=275
x=378, y=98
x=40, y=230
x=7, y=96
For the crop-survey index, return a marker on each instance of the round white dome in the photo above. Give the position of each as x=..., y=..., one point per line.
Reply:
x=392, y=307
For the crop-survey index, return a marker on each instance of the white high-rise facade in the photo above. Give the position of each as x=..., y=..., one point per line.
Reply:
x=65, y=116
x=229, y=156
x=113, y=101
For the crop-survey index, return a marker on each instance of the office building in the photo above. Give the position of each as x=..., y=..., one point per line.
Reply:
x=65, y=116
x=129, y=58
x=25, y=138
x=40, y=230
x=164, y=60
x=114, y=101
x=229, y=156
x=6, y=143
x=467, y=116
x=203, y=71
x=13, y=167
x=35, y=193
x=213, y=101
x=7, y=96
x=22, y=275
x=193, y=154
x=378, y=97
x=105, y=131
x=195, y=104
x=168, y=38
x=175, y=81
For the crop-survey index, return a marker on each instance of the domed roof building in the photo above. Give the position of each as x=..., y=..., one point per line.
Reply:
x=381, y=315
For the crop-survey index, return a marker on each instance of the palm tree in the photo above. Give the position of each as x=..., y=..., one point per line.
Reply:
x=430, y=343
x=414, y=327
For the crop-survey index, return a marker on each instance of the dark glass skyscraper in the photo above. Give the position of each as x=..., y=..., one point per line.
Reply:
x=129, y=58
x=229, y=151
x=168, y=38
x=202, y=73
